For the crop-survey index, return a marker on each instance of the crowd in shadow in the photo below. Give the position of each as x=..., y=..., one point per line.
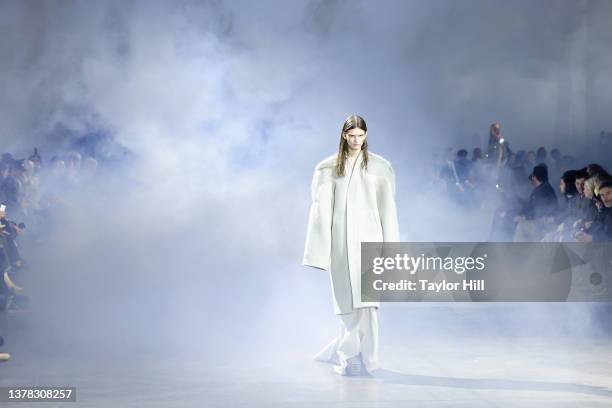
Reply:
x=537, y=196
x=33, y=192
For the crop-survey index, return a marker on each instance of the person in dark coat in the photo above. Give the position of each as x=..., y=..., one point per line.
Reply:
x=601, y=230
x=543, y=200
x=582, y=201
x=589, y=205
x=463, y=166
x=537, y=215
x=569, y=204
x=568, y=211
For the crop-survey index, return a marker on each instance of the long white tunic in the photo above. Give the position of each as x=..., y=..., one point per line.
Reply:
x=346, y=211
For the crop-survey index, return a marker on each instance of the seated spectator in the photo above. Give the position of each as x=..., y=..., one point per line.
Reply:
x=582, y=201
x=537, y=214
x=601, y=230
x=462, y=169
x=542, y=155
x=10, y=186
x=513, y=193
x=462, y=165
x=589, y=209
x=567, y=186
x=516, y=181
x=530, y=159
x=598, y=180
x=3, y=356
x=594, y=168
x=589, y=205
x=567, y=163
x=556, y=155
x=10, y=260
x=36, y=159
x=30, y=184
x=568, y=213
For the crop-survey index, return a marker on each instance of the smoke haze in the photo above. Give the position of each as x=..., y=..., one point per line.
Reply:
x=195, y=241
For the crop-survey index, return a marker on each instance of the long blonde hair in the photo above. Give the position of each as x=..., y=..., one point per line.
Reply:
x=352, y=122
x=597, y=179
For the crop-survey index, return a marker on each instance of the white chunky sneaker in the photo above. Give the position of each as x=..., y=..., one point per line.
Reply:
x=354, y=366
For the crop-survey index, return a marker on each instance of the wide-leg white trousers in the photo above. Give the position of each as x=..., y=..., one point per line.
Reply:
x=358, y=334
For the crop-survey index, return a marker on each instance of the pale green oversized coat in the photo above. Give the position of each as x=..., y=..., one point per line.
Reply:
x=345, y=211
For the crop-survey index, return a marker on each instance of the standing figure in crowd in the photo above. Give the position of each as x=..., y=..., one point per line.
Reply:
x=498, y=154
x=353, y=201
x=498, y=151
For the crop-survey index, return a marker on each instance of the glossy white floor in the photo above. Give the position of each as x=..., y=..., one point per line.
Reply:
x=443, y=365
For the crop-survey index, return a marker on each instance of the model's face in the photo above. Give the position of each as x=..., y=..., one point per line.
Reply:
x=580, y=185
x=606, y=196
x=355, y=138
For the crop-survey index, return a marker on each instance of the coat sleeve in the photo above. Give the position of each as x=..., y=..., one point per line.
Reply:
x=387, y=208
x=317, y=252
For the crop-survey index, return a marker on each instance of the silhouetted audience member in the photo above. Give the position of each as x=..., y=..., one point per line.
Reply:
x=463, y=166
x=568, y=212
x=537, y=215
x=10, y=186
x=541, y=155
x=594, y=168
x=530, y=159
x=569, y=204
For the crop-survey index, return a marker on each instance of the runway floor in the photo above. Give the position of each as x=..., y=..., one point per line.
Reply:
x=427, y=372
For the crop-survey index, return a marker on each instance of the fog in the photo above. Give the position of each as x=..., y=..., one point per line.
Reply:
x=216, y=114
